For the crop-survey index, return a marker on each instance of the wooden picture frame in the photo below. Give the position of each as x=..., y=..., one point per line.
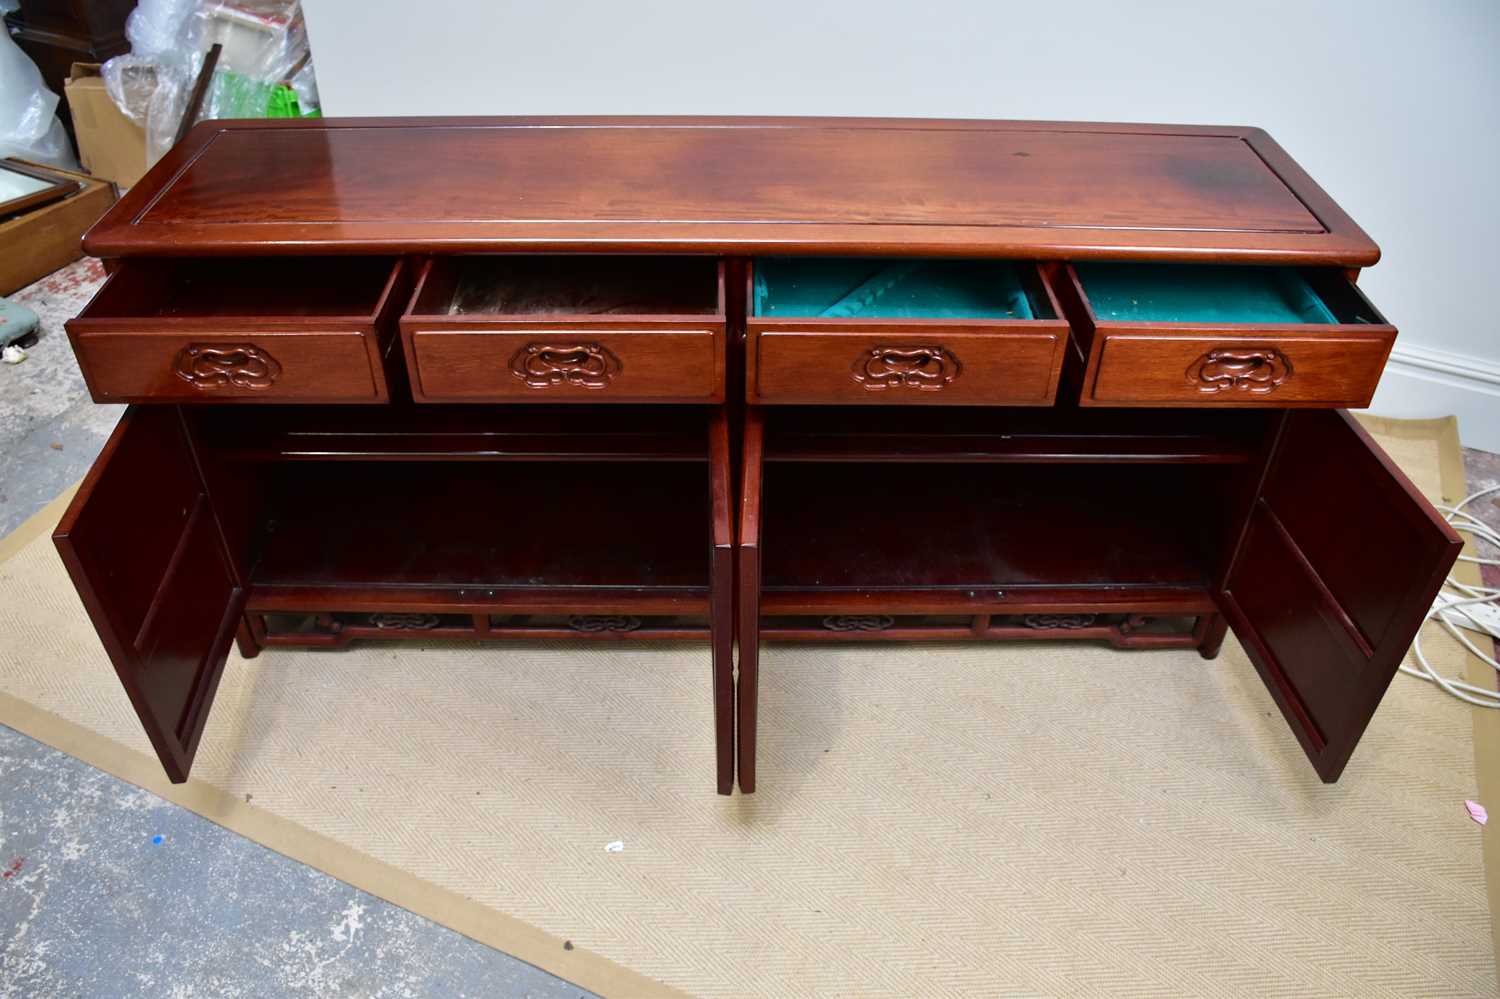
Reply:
x=29, y=196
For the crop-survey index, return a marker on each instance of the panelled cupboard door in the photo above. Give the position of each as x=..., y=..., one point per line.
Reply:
x=145, y=551
x=1337, y=567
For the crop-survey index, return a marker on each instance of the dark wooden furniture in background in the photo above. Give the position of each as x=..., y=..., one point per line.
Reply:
x=987, y=440
x=58, y=33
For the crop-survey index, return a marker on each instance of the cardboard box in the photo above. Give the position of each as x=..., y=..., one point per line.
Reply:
x=110, y=145
x=36, y=243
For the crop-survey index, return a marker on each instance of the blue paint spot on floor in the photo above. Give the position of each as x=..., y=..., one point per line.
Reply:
x=157, y=839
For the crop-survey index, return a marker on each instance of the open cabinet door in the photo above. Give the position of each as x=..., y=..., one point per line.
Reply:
x=721, y=595
x=747, y=621
x=1333, y=575
x=145, y=551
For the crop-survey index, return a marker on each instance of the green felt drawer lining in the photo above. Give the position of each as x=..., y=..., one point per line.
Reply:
x=877, y=288
x=874, y=288
x=1201, y=293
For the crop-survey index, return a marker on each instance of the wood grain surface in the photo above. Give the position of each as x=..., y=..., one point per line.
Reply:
x=732, y=185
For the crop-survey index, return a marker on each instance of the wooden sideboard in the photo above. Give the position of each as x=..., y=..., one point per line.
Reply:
x=731, y=380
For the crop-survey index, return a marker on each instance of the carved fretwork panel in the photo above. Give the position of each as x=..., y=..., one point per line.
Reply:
x=1065, y=622
x=858, y=622
x=404, y=622
x=604, y=622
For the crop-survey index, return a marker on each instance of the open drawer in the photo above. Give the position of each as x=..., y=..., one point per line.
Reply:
x=1210, y=335
x=929, y=332
x=567, y=329
x=237, y=330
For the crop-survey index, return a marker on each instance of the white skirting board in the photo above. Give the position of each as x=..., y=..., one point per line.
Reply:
x=1422, y=382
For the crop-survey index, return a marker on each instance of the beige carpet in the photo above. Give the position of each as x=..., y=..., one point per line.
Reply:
x=953, y=820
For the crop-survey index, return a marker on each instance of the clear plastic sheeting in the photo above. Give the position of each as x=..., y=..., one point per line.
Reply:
x=264, y=68
x=29, y=128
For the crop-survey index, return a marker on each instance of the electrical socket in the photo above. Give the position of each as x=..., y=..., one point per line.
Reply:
x=1483, y=619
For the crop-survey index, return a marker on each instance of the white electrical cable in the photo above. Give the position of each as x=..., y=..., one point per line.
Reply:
x=1452, y=602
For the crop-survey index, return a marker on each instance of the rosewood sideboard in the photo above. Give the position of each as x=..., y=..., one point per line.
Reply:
x=735, y=380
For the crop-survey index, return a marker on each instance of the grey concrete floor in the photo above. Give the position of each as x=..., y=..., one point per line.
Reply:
x=109, y=891
x=50, y=430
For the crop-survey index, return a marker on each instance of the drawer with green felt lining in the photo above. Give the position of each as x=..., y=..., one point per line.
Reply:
x=868, y=330
x=1214, y=335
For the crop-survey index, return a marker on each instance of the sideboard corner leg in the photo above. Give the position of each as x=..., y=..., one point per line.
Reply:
x=244, y=637
x=1212, y=628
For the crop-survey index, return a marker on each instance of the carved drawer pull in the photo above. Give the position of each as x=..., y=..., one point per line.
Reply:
x=215, y=365
x=1254, y=370
x=584, y=365
x=928, y=369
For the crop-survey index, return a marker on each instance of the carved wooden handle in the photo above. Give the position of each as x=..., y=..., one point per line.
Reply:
x=585, y=365
x=926, y=368
x=215, y=365
x=1255, y=370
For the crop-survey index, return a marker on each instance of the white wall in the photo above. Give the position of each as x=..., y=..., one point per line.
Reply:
x=1393, y=107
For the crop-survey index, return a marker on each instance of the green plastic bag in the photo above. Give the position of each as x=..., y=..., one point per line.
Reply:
x=235, y=95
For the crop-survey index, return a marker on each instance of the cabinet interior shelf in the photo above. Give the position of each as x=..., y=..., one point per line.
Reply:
x=481, y=535
x=981, y=532
x=458, y=433
x=917, y=434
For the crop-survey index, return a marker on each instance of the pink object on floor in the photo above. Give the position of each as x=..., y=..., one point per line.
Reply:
x=1477, y=812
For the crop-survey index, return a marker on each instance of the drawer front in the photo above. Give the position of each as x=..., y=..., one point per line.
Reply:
x=568, y=365
x=230, y=367
x=906, y=366
x=1320, y=369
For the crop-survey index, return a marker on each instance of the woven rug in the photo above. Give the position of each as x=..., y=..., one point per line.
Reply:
x=1033, y=819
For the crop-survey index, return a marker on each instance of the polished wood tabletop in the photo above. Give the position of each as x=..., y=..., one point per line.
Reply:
x=733, y=186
